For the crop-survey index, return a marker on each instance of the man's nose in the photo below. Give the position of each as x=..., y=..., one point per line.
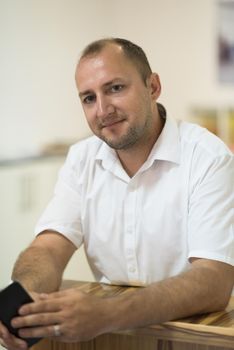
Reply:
x=104, y=106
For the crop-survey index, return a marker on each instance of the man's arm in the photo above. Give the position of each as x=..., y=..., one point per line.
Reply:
x=40, y=267
x=206, y=287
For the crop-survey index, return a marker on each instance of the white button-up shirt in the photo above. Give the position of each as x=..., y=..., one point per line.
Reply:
x=143, y=229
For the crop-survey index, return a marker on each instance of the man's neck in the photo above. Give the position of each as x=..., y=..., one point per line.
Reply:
x=133, y=158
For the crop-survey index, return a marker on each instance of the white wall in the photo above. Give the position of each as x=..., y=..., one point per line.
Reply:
x=40, y=44
x=41, y=41
x=179, y=37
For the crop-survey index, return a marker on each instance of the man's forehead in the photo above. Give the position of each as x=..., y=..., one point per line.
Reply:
x=109, y=48
x=106, y=62
x=109, y=54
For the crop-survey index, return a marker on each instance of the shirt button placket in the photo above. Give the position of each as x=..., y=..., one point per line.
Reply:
x=130, y=224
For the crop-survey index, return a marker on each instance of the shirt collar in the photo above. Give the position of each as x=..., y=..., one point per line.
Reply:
x=167, y=146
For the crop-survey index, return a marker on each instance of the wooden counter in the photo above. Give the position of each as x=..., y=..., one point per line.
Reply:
x=207, y=332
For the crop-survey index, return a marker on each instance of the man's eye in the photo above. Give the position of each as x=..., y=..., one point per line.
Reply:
x=116, y=88
x=89, y=99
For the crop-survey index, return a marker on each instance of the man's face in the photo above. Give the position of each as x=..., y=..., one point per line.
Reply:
x=118, y=105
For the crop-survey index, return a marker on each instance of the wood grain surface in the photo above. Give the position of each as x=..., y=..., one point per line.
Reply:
x=204, y=332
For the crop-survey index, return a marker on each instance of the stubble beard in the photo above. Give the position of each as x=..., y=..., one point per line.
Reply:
x=134, y=135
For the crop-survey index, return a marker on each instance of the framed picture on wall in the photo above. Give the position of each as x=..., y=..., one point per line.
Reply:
x=226, y=41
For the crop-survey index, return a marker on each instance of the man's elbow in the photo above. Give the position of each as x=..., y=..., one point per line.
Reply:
x=220, y=297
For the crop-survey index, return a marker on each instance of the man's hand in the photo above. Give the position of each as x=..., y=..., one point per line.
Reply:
x=70, y=315
x=8, y=340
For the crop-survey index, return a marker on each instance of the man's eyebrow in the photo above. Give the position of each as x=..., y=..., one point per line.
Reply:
x=86, y=92
x=113, y=81
x=108, y=83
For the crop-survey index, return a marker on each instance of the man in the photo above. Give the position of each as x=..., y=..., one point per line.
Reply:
x=150, y=198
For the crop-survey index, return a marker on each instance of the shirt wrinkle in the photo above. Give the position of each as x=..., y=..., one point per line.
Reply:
x=144, y=229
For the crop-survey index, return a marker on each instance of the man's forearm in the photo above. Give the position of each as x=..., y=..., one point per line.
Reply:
x=36, y=269
x=205, y=288
x=199, y=290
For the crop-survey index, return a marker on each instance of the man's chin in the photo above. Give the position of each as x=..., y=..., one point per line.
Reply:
x=118, y=145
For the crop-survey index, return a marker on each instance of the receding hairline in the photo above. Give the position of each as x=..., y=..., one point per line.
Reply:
x=131, y=51
x=97, y=46
x=93, y=54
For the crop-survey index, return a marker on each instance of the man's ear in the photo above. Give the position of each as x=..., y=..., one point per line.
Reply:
x=155, y=86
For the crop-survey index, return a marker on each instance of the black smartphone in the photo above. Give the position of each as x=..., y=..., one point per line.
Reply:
x=11, y=298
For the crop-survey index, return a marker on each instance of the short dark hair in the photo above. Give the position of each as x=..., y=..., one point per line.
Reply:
x=130, y=50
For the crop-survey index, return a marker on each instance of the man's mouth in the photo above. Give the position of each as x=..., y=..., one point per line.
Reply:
x=111, y=122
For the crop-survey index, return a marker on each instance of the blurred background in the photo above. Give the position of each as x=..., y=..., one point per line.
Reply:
x=190, y=44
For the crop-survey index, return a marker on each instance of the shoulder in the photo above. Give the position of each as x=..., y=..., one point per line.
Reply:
x=200, y=140
x=84, y=151
x=206, y=156
x=80, y=160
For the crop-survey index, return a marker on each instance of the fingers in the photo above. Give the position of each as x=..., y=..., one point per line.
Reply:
x=47, y=303
x=13, y=343
x=37, y=319
x=50, y=315
x=9, y=341
x=39, y=332
x=3, y=330
x=37, y=325
x=33, y=320
x=42, y=305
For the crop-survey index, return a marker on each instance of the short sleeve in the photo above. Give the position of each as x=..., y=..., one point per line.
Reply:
x=211, y=208
x=62, y=214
